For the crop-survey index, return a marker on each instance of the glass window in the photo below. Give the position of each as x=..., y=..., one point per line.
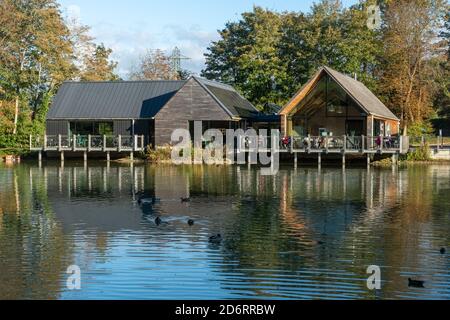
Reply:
x=93, y=128
x=337, y=101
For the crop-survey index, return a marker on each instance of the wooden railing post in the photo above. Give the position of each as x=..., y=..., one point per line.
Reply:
x=45, y=142
x=135, y=140
x=401, y=143
x=59, y=142
x=345, y=144
x=119, y=142
x=89, y=143
x=104, y=142
x=308, y=146
x=74, y=143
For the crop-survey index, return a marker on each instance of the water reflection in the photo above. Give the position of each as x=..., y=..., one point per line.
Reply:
x=304, y=233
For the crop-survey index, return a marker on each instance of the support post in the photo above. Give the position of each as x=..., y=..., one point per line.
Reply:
x=45, y=142
x=319, y=159
x=74, y=143
x=104, y=143
x=345, y=144
x=108, y=157
x=31, y=144
x=295, y=160
x=89, y=143
x=343, y=159
x=85, y=156
x=59, y=142
x=394, y=159
x=62, y=156
x=132, y=156
x=363, y=140
x=368, y=159
x=119, y=142
x=40, y=156
x=381, y=143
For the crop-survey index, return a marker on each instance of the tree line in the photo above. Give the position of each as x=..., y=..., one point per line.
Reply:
x=39, y=50
x=402, y=54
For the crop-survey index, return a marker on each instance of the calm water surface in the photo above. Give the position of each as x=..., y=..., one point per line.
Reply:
x=302, y=234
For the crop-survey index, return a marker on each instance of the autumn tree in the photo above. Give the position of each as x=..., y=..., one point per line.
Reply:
x=408, y=77
x=97, y=65
x=442, y=99
x=35, y=53
x=154, y=65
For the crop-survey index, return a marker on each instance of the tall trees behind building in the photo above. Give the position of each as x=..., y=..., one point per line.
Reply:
x=404, y=58
x=38, y=51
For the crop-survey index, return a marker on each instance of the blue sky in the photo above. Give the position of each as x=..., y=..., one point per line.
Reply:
x=132, y=26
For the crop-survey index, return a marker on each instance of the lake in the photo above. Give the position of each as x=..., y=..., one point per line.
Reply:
x=302, y=234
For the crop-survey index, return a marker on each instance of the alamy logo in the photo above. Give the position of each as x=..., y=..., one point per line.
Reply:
x=237, y=146
x=374, y=280
x=374, y=19
x=74, y=280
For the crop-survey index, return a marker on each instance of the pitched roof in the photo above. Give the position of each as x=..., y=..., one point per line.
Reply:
x=112, y=100
x=136, y=99
x=229, y=98
x=354, y=88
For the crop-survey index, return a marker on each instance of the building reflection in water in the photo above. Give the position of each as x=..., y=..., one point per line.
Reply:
x=304, y=233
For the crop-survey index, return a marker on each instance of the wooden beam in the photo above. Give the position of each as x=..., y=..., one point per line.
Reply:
x=302, y=93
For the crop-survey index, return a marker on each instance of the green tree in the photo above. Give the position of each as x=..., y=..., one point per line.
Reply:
x=247, y=56
x=269, y=55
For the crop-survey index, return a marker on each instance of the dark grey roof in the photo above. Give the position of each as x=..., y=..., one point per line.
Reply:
x=112, y=100
x=361, y=94
x=229, y=98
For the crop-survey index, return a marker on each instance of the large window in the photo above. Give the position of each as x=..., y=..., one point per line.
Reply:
x=337, y=100
x=92, y=128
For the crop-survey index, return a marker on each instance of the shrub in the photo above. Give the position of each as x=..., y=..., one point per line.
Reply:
x=158, y=154
x=421, y=153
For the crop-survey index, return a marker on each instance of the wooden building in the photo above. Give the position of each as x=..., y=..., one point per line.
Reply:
x=333, y=104
x=148, y=109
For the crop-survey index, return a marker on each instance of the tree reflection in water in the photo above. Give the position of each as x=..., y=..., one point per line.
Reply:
x=304, y=233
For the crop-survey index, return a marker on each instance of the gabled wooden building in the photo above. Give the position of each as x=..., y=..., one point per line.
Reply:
x=334, y=104
x=149, y=109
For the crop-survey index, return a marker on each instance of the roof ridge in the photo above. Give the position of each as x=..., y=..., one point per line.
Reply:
x=122, y=81
x=215, y=83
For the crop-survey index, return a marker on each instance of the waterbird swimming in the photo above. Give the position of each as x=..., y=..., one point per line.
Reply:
x=442, y=251
x=190, y=222
x=416, y=283
x=185, y=199
x=215, y=239
x=158, y=221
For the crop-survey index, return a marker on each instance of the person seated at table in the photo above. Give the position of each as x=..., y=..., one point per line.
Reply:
x=286, y=141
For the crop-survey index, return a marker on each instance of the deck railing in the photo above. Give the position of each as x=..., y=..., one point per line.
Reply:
x=89, y=143
x=333, y=144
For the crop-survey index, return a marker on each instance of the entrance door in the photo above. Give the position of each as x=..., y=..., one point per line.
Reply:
x=355, y=128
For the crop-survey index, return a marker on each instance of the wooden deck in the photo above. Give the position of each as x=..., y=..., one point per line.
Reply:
x=87, y=144
x=329, y=145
